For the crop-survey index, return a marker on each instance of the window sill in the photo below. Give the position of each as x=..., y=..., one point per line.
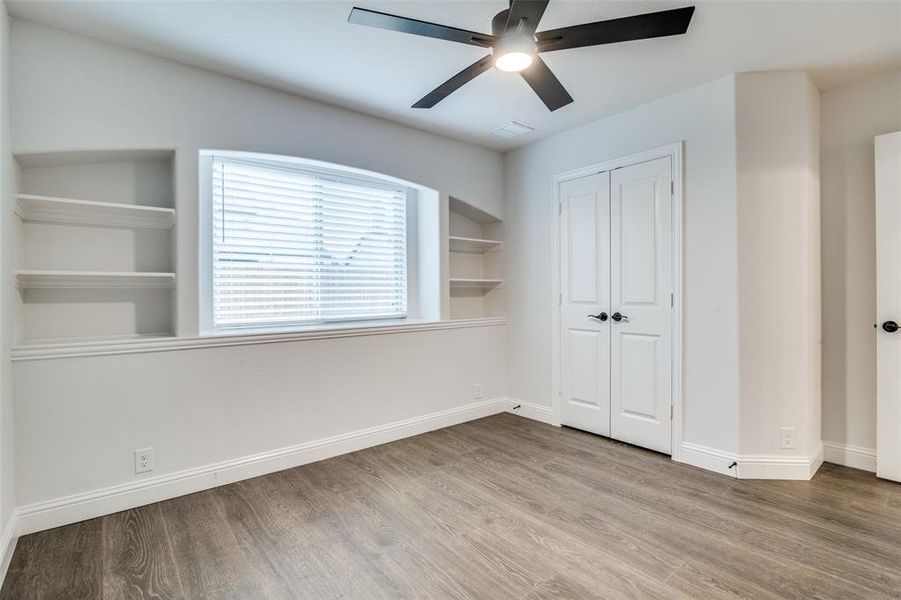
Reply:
x=242, y=338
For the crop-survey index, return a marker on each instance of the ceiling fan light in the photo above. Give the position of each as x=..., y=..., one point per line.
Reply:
x=513, y=62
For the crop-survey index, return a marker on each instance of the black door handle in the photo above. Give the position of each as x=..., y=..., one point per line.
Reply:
x=601, y=316
x=890, y=327
x=619, y=317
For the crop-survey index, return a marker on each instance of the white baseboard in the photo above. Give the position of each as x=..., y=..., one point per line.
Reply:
x=8, y=540
x=752, y=467
x=78, y=507
x=850, y=456
x=780, y=467
x=530, y=410
x=708, y=458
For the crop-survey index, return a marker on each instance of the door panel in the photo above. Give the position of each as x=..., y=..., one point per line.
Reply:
x=888, y=306
x=585, y=273
x=640, y=286
x=638, y=377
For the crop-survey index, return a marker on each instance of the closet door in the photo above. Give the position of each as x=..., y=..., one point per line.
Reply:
x=641, y=284
x=585, y=285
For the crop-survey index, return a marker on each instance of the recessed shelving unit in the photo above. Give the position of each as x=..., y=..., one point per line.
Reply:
x=46, y=209
x=475, y=262
x=95, y=246
x=473, y=245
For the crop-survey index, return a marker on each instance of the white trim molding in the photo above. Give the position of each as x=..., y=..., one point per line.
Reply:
x=530, y=410
x=750, y=466
x=711, y=459
x=856, y=457
x=8, y=540
x=673, y=151
x=88, y=505
x=167, y=344
x=780, y=467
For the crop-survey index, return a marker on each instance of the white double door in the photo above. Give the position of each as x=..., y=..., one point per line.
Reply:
x=616, y=339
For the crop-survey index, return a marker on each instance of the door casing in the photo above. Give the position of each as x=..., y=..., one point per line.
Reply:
x=674, y=151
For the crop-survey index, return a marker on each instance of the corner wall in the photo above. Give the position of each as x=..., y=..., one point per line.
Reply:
x=777, y=134
x=851, y=117
x=7, y=185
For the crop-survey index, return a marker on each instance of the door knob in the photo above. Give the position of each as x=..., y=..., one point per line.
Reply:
x=888, y=326
x=601, y=316
x=619, y=317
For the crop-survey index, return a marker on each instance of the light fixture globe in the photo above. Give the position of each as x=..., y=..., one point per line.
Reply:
x=514, y=53
x=513, y=62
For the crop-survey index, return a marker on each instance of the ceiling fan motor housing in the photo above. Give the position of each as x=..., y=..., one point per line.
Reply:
x=499, y=23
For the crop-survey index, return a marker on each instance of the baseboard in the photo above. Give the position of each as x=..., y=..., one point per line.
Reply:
x=78, y=507
x=850, y=456
x=752, y=467
x=8, y=540
x=780, y=467
x=530, y=410
x=710, y=459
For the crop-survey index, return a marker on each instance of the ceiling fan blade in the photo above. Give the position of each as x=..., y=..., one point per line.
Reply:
x=541, y=79
x=525, y=12
x=454, y=83
x=371, y=18
x=638, y=27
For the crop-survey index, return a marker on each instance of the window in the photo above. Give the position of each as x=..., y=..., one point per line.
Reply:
x=296, y=244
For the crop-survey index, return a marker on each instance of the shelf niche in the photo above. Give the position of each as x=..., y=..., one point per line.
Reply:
x=95, y=239
x=475, y=261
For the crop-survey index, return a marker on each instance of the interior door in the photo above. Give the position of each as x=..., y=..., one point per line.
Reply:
x=641, y=286
x=888, y=306
x=585, y=286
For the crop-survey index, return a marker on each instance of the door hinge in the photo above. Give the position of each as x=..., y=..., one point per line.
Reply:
x=671, y=412
x=559, y=298
x=672, y=300
x=672, y=188
x=559, y=208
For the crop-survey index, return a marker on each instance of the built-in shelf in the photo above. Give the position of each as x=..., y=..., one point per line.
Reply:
x=47, y=209
x=483, y=285
x=89, y=341
x=472, y=245
x=33, y=279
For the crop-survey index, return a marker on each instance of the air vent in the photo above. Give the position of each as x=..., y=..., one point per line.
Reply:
x=511, y=129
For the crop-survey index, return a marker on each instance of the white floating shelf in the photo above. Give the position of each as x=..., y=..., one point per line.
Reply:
x=473, y=245
x=47, y=209
x=30, y=279
x=482, y=285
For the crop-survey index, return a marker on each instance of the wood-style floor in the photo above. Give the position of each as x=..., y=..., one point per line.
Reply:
x=500, y=508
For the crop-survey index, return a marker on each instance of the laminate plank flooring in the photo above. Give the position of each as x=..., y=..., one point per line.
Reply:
x=500, y=508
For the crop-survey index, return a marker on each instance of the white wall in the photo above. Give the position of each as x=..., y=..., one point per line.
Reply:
x=78, y=419
x=851, y=117
x=704, y=117
x=777, y=135
x=7, y=186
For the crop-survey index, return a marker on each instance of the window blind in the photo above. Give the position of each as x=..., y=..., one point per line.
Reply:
x=300, y=246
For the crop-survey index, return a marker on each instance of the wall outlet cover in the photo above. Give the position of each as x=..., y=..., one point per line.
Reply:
x=787, y=440
x=143, y=460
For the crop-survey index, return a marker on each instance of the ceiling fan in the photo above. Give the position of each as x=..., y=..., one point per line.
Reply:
x=515, y=45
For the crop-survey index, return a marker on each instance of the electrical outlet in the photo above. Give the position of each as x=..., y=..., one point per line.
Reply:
x=788, y=438
x=477, y=391
x=143, y=460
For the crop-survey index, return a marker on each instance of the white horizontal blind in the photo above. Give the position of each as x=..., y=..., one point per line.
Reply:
x=292, y=245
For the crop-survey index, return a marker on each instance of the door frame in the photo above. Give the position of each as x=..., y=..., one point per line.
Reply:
x=674, y=152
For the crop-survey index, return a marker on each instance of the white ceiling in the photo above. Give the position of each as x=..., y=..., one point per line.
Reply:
x=308, y=48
